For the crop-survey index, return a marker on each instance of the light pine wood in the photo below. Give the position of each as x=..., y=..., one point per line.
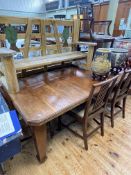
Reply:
x=56, y=37
x=68, y=23
x=28, y=38
x=45, y=61
x=89, y=57
x=38, y=62
x=86, y=43
x=76, y=29
x=4, y=52
x=1, y=68
x=90, y=53
x=12, y=19
x=10, y=74
x=108, y=155
x=57, y=47
x=6, y=56
x=43, y=38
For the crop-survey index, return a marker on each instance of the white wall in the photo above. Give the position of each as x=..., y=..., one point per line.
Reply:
x=32, y=8
x=22, y=7
x=67, y=12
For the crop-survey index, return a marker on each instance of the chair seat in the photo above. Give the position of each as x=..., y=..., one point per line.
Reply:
x=79, y=111
x=111, y=97
x=119, y=97
x=96, y=36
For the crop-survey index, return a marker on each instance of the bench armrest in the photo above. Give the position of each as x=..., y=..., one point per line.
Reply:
x=7, y=60
x=4, y=52
x=86, y=43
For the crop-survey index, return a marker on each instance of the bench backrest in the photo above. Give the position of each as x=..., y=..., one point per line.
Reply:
x=48, y=33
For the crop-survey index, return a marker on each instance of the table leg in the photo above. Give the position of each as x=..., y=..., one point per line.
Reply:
x=40, y=139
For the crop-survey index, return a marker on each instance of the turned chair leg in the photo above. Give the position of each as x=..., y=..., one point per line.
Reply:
x=112, y=116
x=50, y=130
x=59, y=124
x=85, y=136
x=123, y=107
x=102, y=124
x=85, y=142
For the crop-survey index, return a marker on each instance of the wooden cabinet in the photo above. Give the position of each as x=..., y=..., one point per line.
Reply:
x=101, y=11
x=122, y=12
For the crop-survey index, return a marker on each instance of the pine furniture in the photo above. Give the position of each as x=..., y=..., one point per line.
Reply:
x=51, y=54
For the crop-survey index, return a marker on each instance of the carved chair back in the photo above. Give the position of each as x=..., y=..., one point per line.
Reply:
x=99, y=96
x=124, y=84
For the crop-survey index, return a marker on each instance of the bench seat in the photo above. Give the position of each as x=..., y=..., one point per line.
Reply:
x=47, y=60
x=36, y=62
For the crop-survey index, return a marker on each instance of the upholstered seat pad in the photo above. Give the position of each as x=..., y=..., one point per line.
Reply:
x=80, y=110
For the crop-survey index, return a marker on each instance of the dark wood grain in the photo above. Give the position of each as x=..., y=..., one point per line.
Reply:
x=45, y=96
x=40, y=137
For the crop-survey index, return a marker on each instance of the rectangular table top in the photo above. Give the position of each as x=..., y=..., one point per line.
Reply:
x=45, y=96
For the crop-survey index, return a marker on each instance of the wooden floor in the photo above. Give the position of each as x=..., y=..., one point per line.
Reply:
x=108, y=155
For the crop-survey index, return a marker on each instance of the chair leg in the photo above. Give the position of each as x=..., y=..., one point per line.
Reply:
x=50, y=130
x=123, y=107
x=85, y=136
x=112, y=116
x=102, y=124
x=85, y=142
x=59, y=124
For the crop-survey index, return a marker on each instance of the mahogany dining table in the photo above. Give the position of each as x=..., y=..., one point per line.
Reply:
x=46, y=96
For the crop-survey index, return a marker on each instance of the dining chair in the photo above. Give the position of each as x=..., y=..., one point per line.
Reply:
x=96, y=31
x=119, y=94
x=92, y=109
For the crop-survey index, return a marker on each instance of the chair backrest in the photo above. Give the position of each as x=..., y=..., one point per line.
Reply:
x=38, y=36
x=85, y=10
x=99, y=95
x=89, y=28
x=85, y=25
x=124, y=84
x=6, y=97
